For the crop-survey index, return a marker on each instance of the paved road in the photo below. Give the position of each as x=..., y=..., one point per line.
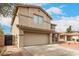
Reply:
x=51, y=50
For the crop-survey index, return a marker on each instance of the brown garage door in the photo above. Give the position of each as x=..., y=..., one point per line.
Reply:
x=35, y=39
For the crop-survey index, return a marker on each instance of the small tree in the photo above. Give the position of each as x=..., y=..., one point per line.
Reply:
x=6, y=9
x=78, y=40
x=69, y=29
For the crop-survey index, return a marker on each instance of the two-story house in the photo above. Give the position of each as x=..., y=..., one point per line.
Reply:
x=31, y=25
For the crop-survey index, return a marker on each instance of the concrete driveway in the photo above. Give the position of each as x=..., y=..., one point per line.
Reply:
x=42, y=50
x=51, y=50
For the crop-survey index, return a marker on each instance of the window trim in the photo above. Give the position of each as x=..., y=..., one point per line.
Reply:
x=38, y=19
x=34, y=20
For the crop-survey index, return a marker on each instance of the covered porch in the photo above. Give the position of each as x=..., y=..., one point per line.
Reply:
x=69, y=37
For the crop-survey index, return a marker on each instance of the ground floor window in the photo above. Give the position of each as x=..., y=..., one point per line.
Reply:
x=69, y=38
x=8, y=40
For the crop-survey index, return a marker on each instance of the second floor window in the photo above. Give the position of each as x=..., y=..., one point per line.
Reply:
x=38, y=19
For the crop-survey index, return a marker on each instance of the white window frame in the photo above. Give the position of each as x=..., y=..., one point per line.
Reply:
x=38, y=20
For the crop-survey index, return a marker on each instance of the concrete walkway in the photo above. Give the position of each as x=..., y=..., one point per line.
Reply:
x=51, y=50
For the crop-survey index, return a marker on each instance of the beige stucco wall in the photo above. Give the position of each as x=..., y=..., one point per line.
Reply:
x=15, y=32
x=75, y=37
x=26, y=18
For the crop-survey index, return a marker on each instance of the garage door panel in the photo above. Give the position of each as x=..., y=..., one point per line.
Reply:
x=35, y=39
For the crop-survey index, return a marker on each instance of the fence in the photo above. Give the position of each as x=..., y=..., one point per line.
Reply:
x=2, y=40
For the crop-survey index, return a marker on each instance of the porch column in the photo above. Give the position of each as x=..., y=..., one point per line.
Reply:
x=21, y=38
x=65, y=38
x=75, y=40
x=50, y=38
x=58, y=37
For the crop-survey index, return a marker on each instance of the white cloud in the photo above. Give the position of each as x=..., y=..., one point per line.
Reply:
x=65, y=22
x=55, y=10
x=5, y=21
x=61, y=6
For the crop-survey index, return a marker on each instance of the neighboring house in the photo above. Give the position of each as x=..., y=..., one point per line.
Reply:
x=31, y=25
x=72, y=36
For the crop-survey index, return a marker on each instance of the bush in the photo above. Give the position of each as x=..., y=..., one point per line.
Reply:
x=77, y=40
x=73, y=39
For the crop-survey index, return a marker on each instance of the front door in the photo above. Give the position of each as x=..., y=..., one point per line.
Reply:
x=54, y=38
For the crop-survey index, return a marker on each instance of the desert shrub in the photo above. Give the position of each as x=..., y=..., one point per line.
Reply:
x=77, y=40
x=73, y=39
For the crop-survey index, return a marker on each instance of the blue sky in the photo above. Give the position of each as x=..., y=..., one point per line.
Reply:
x=5, y=22
x=68, y=9
x=63, y=14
